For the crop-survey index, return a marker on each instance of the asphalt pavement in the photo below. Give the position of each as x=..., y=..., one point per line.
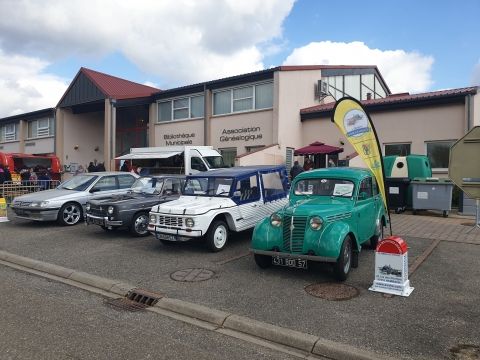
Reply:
x=43, y=319
x=441, y=313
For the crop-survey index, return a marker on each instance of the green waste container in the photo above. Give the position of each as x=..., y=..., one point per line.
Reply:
x=432, y=194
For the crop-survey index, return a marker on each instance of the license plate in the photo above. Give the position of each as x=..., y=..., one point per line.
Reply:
x=97, y=221
x=289, y=262
x=167, y=237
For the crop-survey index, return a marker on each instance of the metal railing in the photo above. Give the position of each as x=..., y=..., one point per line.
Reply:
x=9, y=190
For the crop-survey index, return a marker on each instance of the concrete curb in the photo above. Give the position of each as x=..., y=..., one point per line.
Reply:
x=200, y=312
x=277, y=334
x=331, y=349
x=308, y=343
x=117, y=287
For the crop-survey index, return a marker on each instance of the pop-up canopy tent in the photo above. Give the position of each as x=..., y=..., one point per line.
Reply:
x=319, y=151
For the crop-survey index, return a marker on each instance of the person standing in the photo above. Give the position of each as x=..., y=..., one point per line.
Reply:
x=2, y=174
x=91, y=167
x=295, y=170
x=100, y=167
x=8, y=174
x=308, y=164
x=125, y=166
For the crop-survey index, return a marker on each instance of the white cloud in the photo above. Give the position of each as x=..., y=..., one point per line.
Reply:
x=403, y=71
x=476, y=74
x=181, y=41
x=24, y=85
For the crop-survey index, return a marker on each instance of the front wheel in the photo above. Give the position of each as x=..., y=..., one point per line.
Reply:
x=139, y=225
x=217, y=236
x=344, y=262
x=70, y=214
x=262, y=261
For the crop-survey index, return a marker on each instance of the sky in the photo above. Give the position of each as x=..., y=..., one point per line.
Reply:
x=418, y=45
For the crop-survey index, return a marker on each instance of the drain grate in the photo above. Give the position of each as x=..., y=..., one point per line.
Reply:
x=136, y=300
x=466, y=352
x=142, y=296
x=126, y=304
x=332, y=291
x=192, y=275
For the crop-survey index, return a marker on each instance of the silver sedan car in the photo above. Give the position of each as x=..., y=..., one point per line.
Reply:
x=66, y=203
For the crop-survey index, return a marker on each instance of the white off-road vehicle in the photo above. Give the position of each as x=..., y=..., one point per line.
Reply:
x=218, y=202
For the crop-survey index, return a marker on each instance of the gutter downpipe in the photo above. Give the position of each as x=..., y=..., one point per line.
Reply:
x=113, y=129
x=205, y=111
x=469, y=112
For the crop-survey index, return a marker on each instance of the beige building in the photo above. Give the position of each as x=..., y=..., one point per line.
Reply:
x=427, y=123
x=255, y=118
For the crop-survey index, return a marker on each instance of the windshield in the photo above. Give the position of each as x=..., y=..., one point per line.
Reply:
x=215, y=162
x=78, y=183
x=148, y=185
x=208, y=186
x=324, y=187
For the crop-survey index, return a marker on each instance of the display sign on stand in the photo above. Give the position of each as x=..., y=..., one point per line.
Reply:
x=3, y=210
x=391, y=267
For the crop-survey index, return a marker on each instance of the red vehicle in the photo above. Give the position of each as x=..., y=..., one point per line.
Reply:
x=19, y=161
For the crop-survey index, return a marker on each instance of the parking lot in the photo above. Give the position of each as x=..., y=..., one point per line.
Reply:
x=442, y=312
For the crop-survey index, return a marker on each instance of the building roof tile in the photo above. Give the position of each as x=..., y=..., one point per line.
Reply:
x=118, y=88
x=398, y=99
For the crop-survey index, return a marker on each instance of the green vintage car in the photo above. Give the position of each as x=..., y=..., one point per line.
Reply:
x=331, y=214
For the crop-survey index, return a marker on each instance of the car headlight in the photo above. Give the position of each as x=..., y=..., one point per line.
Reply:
x=316, y=223
x=110, y=210
x=153, y=219
x=189, y=222
x=87, y=207
x=275, y=220
x=39, y=204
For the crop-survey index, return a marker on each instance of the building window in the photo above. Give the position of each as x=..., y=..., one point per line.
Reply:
x=438, y=153
x=40, y=128
x=361, y=87
x=397, y=149
x=246, y=98
x=8, y=132
x=191, y=107
x=229, y=155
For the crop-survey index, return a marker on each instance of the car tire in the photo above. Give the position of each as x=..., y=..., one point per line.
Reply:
x=217, y=235
x=262, y=261
x=139, y=225
x=378, y=235
x=70, y=214
x=344, y=262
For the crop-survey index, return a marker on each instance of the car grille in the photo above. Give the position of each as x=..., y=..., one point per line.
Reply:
x=170, y=221
x=293, y=239
x=98, y=210
x=22, y=203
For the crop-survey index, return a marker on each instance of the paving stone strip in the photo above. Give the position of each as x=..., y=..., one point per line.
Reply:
x=311, y=345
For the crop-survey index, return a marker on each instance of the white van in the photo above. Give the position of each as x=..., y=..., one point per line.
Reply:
x=185, y=160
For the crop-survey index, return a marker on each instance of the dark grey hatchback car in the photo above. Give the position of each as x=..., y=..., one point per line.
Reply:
x=131, y=210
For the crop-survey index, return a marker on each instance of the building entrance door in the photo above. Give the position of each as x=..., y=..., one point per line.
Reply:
x=131, y=129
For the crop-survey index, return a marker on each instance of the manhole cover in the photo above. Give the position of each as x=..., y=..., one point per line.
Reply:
x=332, y=291
x=465, y=352
x=192, y=275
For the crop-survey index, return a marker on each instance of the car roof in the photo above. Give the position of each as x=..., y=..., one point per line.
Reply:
x=239, y=171
x=349, y=172
x=174, y=176
x=103, y=173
